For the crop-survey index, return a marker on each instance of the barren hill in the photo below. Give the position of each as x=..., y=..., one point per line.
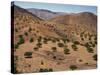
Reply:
x=85, y=18
x=77, y=18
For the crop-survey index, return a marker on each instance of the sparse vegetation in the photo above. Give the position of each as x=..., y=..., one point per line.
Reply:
x=82, y=39
x=57, y=39
x=92, y=44
x=76, y=43
x=64, y=40
x=45, y=40
x=33, y=29
x=87, y=44
x=73, y=67
x=86, y=63
x=54, y=57
x=21, y=39
x=28, y=54
x=35, y=48
x=30, y=29
x=95, y=57
x=15, y=68
x=20, y=35
x=80, y=60
x=46, y=70
x=60, y=45
x=42, y=63
x=74, y=47
x=53, y=40
x=90, y=37
x=89, y=49
x=26, y=34
x=16, y=46
x=37, y=31
x=85, y=35
x=95, y=37
x=31, y=39
x=39, y=45
x=50, y=69
x=66, y=51
x=81, y=35
x=39, y=39
x=16, y=30
x=54, y=49
x=95, y=42
x=15, y=58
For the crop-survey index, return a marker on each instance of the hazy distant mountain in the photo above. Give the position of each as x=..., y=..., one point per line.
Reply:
x=81, y=18
x=45, y=14
x=84, y=18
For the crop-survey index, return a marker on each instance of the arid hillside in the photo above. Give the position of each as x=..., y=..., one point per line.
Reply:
x=85, y=18
x=67, y=42
x=82, y=18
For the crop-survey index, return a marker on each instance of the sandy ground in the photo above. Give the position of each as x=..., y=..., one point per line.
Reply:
x=56, y=64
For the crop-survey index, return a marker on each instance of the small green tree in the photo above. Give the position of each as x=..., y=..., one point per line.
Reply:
x=57, y=39
x=95, y=37
x=80, y=60
x=95, y=57
x=73, y=67
x=35, y=48
x=16, y=30
x=15, y=58
x=41, y=70
x=89, y=49
x=60, y=44
x=54, y=40
x=28, y=54
x=16, y=46
x=21, y=39
x=46, y=70
x=31, y=39
x=42, y=63
x=64, y=40
x=50, y=70
x=87, y=44
x=76, y=43
x=39, y=45
x=45, y=40
x=90, y=37
x=30, y=29
x=26, y=34
x=74, y=47
x=54, y=49
x=95, y=42
x=39, y=39
x=66, y=51
x=82, y=39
